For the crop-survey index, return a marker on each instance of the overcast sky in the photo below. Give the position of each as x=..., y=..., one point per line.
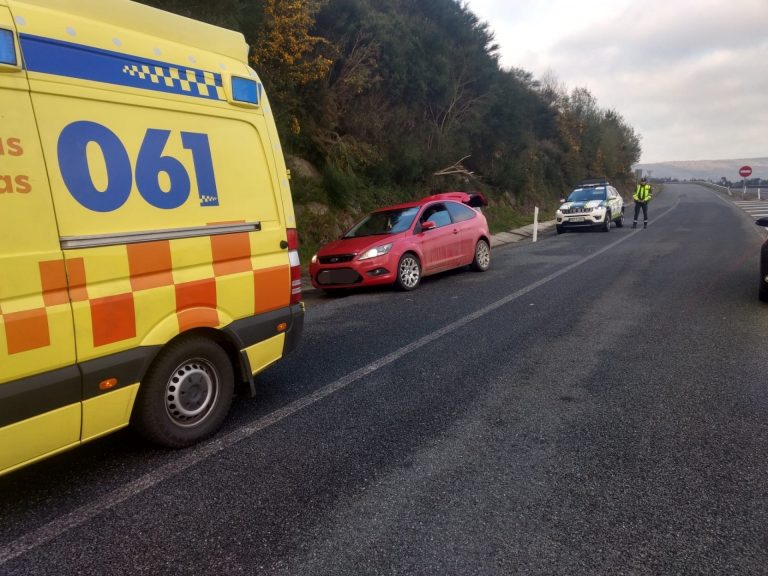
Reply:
x=691, y=76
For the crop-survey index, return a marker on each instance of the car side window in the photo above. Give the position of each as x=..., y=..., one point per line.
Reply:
x=438, y=214
x=459, y=212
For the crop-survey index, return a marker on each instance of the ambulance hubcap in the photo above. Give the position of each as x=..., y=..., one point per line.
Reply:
x=191, y=392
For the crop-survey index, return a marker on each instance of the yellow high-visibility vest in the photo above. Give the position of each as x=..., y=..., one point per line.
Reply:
x=643, y=193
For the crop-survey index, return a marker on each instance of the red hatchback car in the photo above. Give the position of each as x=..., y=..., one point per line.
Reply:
x=400, y=244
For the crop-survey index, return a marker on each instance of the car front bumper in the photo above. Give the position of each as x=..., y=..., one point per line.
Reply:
x=580, y=220
x=371, y=272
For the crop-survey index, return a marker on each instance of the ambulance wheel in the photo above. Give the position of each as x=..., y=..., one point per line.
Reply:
x=185, y=394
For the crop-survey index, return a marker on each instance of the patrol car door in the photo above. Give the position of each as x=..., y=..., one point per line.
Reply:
x=40, y=390
x=614, y=201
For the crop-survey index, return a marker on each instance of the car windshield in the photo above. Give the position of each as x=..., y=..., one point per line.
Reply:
x=384, y=222
x=587, y=194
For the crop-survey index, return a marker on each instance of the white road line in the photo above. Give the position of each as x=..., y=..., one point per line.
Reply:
x=107, y=501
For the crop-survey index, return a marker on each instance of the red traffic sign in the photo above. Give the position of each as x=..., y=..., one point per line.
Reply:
x=745, y=171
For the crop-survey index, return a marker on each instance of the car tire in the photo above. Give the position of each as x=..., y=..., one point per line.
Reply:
x=762, y=292
x=607, y=222
x=408, y=272
x=620, y=220
x=186, y=393
x=559, y=229
x=482, y=260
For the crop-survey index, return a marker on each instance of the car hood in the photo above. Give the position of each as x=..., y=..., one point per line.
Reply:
x=356, y=245
x=587, y=204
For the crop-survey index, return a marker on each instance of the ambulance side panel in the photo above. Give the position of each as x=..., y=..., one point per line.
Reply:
x=169, y=205
x=39, y=384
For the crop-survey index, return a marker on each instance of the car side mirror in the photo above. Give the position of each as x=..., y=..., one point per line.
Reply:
x=562, y=200
x=762, y=221
x=428, y=225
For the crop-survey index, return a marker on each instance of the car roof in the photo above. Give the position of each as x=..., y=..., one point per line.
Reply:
x=467, y=198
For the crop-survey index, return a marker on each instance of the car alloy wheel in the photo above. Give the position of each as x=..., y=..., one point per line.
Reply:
x=408, y=272
x=482, y=259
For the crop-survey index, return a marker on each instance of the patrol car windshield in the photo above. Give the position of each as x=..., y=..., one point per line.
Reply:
x=384, y=222
x=587, y=194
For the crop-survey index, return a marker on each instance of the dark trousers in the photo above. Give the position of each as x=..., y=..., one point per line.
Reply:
x=644, y=206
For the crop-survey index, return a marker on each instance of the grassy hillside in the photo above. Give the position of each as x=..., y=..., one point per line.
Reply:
x=390, y=100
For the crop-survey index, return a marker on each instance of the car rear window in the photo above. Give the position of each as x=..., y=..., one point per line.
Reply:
x=459, y=212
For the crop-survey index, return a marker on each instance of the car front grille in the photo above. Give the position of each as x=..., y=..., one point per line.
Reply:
x=336, y=258
x=576, y=211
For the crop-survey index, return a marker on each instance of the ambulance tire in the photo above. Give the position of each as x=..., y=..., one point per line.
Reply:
x=186, y=393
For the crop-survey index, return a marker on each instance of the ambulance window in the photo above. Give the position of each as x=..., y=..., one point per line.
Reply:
x=7, y=48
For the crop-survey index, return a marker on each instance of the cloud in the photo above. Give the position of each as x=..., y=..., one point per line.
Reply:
x=690, y=76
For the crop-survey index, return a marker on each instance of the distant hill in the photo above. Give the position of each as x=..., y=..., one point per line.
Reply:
x=706, y=169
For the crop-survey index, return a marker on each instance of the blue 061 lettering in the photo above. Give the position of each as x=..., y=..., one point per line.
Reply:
x=73, y=162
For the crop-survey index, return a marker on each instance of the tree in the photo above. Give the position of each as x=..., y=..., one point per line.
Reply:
x=288, y=55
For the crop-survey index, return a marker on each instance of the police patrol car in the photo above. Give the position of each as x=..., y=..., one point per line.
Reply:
x=148, y=245
x=594, y=203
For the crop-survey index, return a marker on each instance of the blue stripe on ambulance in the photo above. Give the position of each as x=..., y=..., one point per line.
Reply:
x=60, y=58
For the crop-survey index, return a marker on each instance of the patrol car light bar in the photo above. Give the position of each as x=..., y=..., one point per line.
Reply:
x=246, y=90
x=7, y=48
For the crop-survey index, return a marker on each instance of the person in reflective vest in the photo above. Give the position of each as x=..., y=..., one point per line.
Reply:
x=641, y=197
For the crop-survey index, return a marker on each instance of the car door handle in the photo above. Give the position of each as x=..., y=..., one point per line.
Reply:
x=455, y=231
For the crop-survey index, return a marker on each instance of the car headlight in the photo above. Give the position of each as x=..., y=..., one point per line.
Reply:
x=377, y=251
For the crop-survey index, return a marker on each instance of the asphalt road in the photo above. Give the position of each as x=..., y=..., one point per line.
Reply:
x=593, y=404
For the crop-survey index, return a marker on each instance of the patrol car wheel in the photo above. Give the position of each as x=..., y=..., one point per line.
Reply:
x=559, y=229
x=408, y=272
x=186, y=393
x=620, y=220
x=482, y=260
x=607, y=222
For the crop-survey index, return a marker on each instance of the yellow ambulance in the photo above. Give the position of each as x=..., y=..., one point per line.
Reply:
x=148, y=245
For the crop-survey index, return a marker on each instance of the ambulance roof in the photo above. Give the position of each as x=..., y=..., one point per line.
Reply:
x=149, y=20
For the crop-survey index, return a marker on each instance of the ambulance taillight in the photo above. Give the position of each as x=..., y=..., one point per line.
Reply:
x=293, y=256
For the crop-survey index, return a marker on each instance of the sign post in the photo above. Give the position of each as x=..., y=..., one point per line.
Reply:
x=745, y=172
